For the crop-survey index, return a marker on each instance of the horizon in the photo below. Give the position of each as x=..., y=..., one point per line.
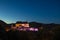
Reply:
x=28, y=22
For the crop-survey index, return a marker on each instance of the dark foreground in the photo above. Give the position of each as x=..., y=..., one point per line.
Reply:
x=26, y=35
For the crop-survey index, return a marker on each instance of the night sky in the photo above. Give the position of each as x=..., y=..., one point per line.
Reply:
x=43, y=11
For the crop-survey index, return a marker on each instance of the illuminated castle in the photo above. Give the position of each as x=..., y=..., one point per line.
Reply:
x=21, y=24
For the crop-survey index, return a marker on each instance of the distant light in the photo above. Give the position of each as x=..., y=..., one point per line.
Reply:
x=24, y=29
x=31, y=29
x=21, y=29
x=36, y=29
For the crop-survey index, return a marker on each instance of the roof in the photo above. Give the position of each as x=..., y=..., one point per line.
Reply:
x=18, y=22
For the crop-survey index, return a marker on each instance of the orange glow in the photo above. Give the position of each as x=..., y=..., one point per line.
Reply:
x=7, y=29
x=25, y=25
x=20, y=25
